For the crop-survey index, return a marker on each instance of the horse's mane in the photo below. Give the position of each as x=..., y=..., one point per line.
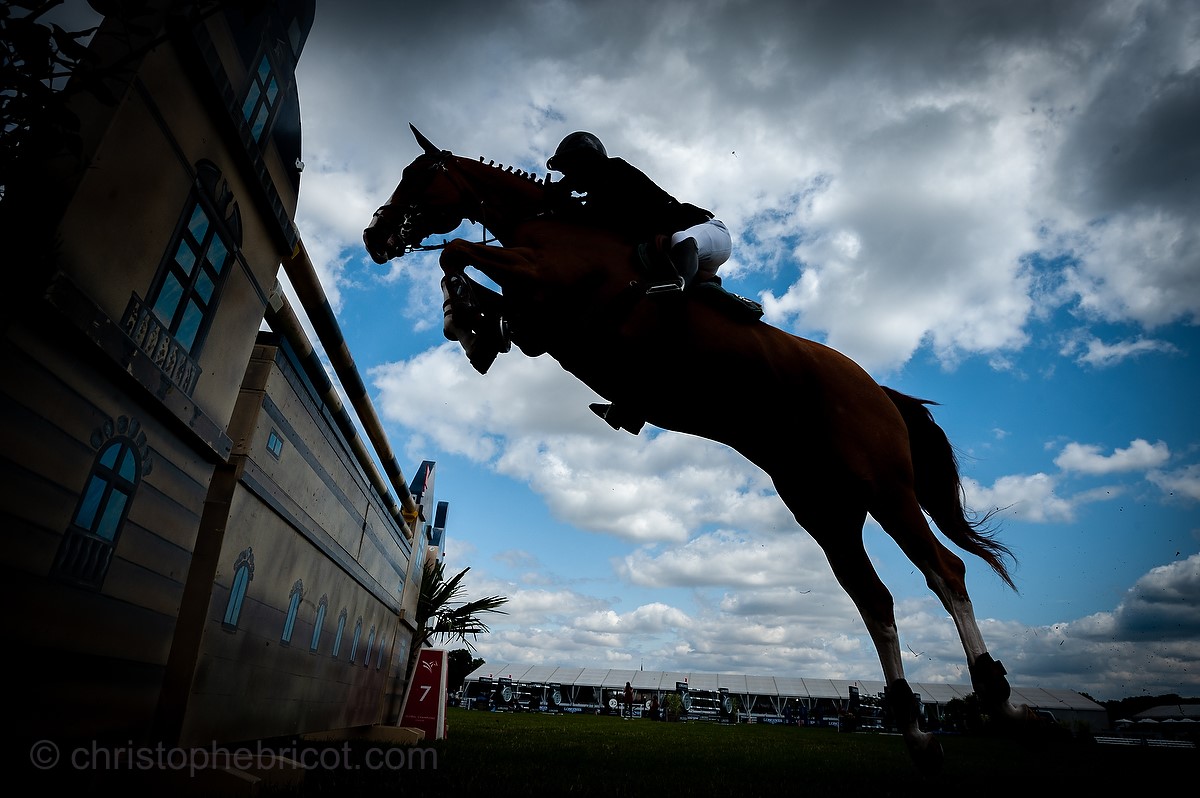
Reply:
x=510, y=170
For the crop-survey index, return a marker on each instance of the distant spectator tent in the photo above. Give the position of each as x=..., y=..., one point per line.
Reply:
x=762, y=699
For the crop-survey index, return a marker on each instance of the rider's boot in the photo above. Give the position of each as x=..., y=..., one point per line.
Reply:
x=685, y=258
x=618, y=419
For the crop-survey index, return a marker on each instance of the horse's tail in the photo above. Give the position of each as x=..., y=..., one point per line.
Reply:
x=939, y=486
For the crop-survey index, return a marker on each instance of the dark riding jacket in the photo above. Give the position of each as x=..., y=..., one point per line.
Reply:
x=619, y=196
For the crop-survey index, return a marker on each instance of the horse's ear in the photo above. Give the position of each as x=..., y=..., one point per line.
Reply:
x=425, y=143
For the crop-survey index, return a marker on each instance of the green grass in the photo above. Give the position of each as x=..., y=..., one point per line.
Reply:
x=501, y=754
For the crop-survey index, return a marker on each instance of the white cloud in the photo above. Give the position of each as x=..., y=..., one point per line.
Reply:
x=1140, y=455
x=1102, y=355
x=727, y=558
x=1027, y=497
x=1183, y=482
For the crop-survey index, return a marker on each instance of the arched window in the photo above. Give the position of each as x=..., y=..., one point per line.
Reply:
x=293, y=608
x=87, y=547
x=243, y=572
x=370, y=642
x=263, y=96
x=337, y=637
x=187, y=287
x=357, y=635
x=382, y=648
x=402, y=652
x=322, y=605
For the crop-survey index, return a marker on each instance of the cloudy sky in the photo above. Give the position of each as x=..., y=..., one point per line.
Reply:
x=990, y=205
x=987, y=204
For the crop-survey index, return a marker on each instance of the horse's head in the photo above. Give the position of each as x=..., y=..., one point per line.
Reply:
x=428, y=201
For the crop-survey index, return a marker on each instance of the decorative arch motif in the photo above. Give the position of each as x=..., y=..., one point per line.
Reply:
x=370, y=642
x=382, y=651
x=357, y=634
x=318, y=623
x=289, y=623
x=341, y=629
x=243, y=573
x=122, y=459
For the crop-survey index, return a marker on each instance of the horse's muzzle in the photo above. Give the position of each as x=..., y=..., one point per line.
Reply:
x=380, y=241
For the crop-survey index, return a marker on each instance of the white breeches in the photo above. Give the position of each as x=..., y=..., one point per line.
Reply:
x=712, y=242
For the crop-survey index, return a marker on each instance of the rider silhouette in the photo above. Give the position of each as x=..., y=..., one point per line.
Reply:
x=618, y=196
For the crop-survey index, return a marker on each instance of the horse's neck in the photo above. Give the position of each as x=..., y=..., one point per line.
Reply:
x=508, y=198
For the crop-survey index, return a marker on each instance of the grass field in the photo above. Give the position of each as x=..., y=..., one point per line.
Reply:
x=501, y=754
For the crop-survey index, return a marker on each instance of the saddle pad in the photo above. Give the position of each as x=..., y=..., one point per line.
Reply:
x=736, y=305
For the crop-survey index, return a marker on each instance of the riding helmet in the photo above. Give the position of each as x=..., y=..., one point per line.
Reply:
x=575, y=145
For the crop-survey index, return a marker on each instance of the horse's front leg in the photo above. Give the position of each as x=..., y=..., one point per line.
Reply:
x=505, y=265
x=471, y=314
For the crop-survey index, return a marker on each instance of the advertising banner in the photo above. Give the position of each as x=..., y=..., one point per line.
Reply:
x=425, y=702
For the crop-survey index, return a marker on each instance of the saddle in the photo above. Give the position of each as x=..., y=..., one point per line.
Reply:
x=654, y=260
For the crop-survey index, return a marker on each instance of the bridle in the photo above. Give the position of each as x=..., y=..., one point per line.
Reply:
x=411, y=214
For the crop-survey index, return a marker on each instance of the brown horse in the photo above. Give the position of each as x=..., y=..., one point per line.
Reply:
x=836, y=444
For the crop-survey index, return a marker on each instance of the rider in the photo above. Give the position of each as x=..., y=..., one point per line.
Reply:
x=618, y=196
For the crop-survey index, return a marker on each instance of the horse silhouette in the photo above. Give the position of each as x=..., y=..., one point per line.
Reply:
x=836, y=444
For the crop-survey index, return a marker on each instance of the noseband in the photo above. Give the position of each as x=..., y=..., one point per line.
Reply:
x=411, y=214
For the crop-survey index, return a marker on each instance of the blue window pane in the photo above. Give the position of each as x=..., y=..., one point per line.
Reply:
x=198, y=224
x=168, y=299
x=185, y=256
x=189, y=326
x=91, y=501
x=217, y=254
x=128, y=470
x=260, y=122
x=251, y=102
x=236, y=594
x=320, y=621
x=272, y=91
x=108, y=458
x=111, y=519
x=290, y=622
x=264, y=69
x=204, y=286
x=337, y=640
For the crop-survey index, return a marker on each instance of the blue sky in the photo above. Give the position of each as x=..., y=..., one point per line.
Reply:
x=986, y=204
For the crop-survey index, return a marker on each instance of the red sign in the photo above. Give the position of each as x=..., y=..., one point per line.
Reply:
x=425, y=701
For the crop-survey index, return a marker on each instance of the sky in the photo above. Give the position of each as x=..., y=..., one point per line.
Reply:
x=986, y=204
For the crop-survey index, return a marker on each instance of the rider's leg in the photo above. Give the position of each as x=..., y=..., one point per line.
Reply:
x=714, y=246
x=685, y=260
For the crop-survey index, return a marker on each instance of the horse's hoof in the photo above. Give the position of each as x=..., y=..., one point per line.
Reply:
x=927, y=755
x=481, y=361
x=987, y=677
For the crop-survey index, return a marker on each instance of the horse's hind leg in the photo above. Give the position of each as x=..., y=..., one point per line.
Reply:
x=945, y=574
x=842, y=543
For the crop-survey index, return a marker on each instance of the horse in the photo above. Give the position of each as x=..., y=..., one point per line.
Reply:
x=836, y=444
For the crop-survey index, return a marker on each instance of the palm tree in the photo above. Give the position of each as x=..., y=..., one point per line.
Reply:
x=441, y=614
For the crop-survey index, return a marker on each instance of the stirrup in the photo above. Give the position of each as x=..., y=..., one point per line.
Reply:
x=671, y=287
x=615, y=419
